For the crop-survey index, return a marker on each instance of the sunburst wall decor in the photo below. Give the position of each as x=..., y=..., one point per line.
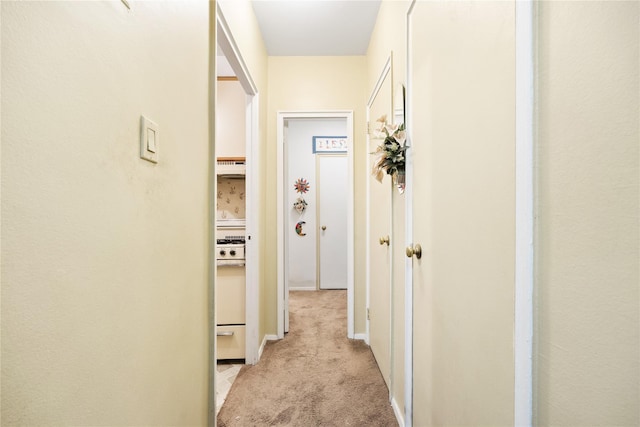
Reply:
x=301, y=186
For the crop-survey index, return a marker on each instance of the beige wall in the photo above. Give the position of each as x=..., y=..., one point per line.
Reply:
x=587, y=303
x=312, y=84
x=246, y=33
x=104, y=255
x=389, y=36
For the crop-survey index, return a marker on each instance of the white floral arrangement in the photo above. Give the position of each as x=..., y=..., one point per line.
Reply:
x=390, y=155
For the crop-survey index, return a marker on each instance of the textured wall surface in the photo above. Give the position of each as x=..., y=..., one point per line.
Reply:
x=587, y=275
x=104, y=255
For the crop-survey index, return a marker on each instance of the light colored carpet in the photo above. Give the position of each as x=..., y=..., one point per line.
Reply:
x=315, y=376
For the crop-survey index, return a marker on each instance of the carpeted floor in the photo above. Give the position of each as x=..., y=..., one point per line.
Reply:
x=315, y=376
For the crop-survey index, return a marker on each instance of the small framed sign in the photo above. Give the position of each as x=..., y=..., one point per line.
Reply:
x=329, y=144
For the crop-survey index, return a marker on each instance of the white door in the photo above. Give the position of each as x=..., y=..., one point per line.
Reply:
x=332, y=177
x=462, y=132
x=380, y=273
x=380, y=239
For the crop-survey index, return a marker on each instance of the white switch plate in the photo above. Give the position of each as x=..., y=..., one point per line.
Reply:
x=149, y=140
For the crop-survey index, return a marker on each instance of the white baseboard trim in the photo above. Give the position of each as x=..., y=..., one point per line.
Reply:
x=264, y=342
x=398, y=412
x=305, y=288
x=362, y=337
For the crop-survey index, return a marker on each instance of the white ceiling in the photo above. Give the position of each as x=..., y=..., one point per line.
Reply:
x=312, y=28
x=316, y=27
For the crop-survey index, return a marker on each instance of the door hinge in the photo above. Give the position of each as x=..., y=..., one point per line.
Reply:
x=368, y=316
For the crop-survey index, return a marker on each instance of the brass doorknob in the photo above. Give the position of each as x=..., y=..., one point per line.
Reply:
x=414, y=250
x=324, y=227
x=384, y=240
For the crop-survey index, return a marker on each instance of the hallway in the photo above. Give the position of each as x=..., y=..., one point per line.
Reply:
x=314, y=376
x=509, y=287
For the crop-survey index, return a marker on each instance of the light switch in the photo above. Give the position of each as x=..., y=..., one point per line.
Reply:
x=149, y=140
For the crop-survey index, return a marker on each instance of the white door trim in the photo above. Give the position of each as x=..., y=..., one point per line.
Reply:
x=252, y=351
x=212, y=187
x=525, y=98
x=408, y=207
x=227, y=44
x=387, y=70
x=281, y=255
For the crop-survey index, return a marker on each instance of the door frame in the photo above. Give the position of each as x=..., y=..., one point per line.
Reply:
x=524, y=212
x=408, y=208
x=227, y=44
x=220, y=34
x=282, y=286
x=387, y=71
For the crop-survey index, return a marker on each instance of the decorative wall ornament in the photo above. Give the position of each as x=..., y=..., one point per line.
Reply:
x=329, y=144
x=299, y=228
x=301, y=186
x=391, y=153
x=300, y=205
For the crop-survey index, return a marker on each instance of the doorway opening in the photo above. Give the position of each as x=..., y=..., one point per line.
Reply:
x=315, y=207
x=230, y=64
x=234, y=169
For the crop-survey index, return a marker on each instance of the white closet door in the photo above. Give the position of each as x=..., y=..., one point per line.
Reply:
x=332, y=221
